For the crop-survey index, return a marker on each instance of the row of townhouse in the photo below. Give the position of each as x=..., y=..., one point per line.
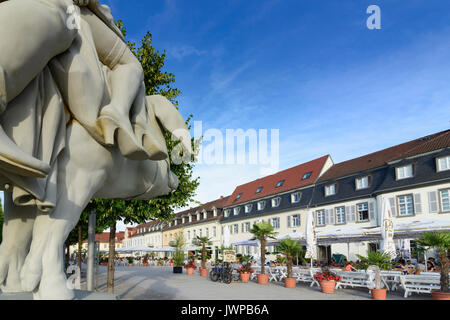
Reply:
x=102, y=241
x=414, y=177
x=202, y=221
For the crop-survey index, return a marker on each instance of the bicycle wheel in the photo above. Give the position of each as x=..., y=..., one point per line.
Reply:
x=214, y=276
x=227, y=277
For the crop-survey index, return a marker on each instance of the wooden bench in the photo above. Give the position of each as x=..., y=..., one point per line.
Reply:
x=355, y=279
x=419, y=283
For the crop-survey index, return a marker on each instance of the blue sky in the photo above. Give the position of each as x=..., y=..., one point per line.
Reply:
x=311, y=69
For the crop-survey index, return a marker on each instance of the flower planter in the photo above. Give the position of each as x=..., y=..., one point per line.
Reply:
x=379, y=294
x=290, y=282
x=245, y=277
x=190, y=271
x=327, y=286
x=204, y=272
x=438, y=295
x=171, y=264
x=177, y=269
x=263, y=278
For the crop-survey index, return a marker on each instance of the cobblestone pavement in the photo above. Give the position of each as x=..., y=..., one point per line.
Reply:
x=160, y=283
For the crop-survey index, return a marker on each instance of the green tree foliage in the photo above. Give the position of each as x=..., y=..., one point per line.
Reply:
x=441, y=242
x=290, y=249
x=262, y=231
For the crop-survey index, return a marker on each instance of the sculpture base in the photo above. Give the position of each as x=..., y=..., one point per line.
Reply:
x=79, y=295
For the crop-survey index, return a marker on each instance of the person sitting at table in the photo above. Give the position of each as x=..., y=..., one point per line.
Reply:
x=349, y=266
x=401, y=266
x=430, y=266
x=420, y=266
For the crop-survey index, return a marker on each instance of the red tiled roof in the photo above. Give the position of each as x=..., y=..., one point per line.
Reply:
x=104, y=237
x=218, y=203
x=292, y=180
x=377, y=159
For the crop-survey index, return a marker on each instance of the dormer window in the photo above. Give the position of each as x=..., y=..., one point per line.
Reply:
x=261, y=205
x=190, y=218
x=443, y=163
x=215, y=212
x=236, y=211
x=205, y=215
x=176, y=222
x=307, y=175
x=238, y=196
x=362, y=183
x=183, y=220
x=226, y=213
x=404, y=172
x=259, y=190
x=330, y=190
x=280, y=183
x=276, y=202
x=198, y=216
x=295, y=197
x=248, y=208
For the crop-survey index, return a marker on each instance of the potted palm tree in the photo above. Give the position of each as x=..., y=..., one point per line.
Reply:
x=261, y=231
x=178, y=257
x=203, y=241
x=289, y=248
x=439, y=241
x=376, y=261
x=190, y=266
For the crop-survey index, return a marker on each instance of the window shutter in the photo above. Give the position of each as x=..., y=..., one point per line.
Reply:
x=327, y=216
x=432, y=201
x=331, y=214
x=353, y=214
x=347, y=214
x=371, y=211
x=242, y=227
x=289, y=221
x=417, y=204
x=392, y=204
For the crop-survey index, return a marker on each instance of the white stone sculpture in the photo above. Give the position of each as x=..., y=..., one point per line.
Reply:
x=75, y=124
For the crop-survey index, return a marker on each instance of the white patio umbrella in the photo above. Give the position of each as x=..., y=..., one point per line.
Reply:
x=387, y=230
x=311, y=238
x=226, y=237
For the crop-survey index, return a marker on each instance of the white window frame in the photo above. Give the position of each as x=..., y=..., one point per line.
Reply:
x=275, y=203
x=328, y=189
x=321, y=218
x=298, y=194
x=275, y=222
x=236, y=211
x=358, y=216
x=339, y=213
x=205, y=215
x=236, y=228
x=248, y=208
x=447, y=163
x=261, y=205
x=441, y=198
x=247, y=227
x=405, y=204
x=226, y=213
x=359, y=185
x=401, y=172
x=294, y=225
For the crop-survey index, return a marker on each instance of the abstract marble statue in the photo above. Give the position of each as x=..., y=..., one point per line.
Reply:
x=75, y=124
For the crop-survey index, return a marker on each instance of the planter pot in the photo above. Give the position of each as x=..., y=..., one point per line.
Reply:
x=327, y=286
x=438, y=295
x=204, y=272
x=171, y=264
x=379, y=294
x=290, y=282
x=190, y=271
x=130, y=264
x=177, y=269
x=263, y=278
x=245, y=277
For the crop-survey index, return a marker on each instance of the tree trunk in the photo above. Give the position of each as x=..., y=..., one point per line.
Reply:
x=112, y=253
x=444, y=264
x=203, y=256
x=289, y=266
x=263, y=255
x=80, y=236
